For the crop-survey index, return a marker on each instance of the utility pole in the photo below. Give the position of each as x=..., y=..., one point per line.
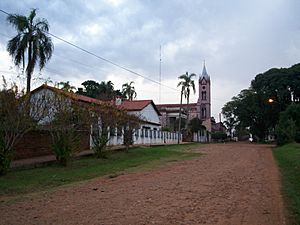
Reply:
x=159, y=92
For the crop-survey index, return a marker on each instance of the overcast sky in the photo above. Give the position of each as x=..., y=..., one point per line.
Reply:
x=237, y=39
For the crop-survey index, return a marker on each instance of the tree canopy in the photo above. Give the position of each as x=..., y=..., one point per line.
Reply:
x=103, y=90
x=252, y=109
x=128, y=90
x=32, y=43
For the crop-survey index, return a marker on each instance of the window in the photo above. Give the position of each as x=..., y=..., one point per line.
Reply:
x=203, y=112
x=112, y=131
x=203, y=95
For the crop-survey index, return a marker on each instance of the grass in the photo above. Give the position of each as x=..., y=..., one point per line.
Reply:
x=117, y=162
x=288, y=158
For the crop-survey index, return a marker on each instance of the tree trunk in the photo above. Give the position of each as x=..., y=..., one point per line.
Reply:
x=28, y=68
x=179, y=126
x=187, y=111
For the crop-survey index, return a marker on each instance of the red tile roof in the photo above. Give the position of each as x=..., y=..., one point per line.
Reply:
x=159, y=106
x=73, y=96
x=137, y=105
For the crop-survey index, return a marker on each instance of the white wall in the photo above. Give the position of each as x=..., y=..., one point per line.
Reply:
x=150, y=115
x=145, y=137
x=45, y=103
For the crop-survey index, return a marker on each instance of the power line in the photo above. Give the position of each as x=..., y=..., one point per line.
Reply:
x=109, y=61
x=102, y=58
x=4, y=12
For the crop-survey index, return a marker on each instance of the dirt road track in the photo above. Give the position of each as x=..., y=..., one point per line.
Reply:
x=232, y=184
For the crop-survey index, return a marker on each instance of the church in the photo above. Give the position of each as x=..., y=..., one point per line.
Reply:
x=201, y=109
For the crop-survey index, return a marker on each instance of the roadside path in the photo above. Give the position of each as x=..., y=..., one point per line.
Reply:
x=232, y=184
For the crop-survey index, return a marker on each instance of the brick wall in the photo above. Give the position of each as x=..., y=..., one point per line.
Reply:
x=38, y=143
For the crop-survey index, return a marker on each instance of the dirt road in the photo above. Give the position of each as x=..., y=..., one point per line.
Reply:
x=231, y=184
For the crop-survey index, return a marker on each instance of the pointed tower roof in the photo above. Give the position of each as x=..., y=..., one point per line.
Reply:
x=204, y=73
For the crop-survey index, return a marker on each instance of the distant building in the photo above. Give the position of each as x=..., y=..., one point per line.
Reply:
x=201, y=109
x=145, y=109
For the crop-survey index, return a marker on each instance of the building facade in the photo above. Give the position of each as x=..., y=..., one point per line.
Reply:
x=201, y=109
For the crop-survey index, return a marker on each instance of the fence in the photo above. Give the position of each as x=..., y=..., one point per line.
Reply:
x=143, y=137
x=201, y=136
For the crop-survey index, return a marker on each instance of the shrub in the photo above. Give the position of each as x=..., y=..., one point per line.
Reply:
x=128, y=133
x=5, y=156
x=15, y=121
x=99, y=139
x=64, y=144
x=218, y=136
x=288, y=128
x=297, y=138
x=286, y=131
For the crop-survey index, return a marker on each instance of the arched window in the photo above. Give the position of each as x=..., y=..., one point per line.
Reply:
x=203, y=95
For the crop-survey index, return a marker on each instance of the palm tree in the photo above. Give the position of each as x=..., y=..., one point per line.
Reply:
x=186, y=84
x=66, y=86
x=32, y=39
x=106, y=90
x=129, y=91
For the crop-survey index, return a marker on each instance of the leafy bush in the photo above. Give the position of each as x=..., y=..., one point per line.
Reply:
x=5, y=156
x=64, y=144
x=128, y=133
x=15, y=121
x=285, y=130
x=297, y=138
x=67, y=119
x=99, y=139
x=195, y=125
x=218, y=136
x=288, y=127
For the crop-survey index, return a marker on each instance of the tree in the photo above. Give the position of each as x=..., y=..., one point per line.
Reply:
x=14, y=123
x=251, y=110
x=195, y=125
x=129, y=91
x=91, y=89
x=187, y=83
x=180, y=119
x=106, y=90
x=219, y=136
x=66, y=86
x=32, y=39
x=18, y=115
x=288, y=127
x=67, y=119
x=231, y=120
x=105, y=118
x=102, y=91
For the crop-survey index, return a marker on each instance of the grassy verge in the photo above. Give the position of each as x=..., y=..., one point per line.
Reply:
x=32, y=180
x=288, y=158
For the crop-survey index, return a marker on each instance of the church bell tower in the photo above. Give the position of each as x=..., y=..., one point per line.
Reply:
x=204, y=99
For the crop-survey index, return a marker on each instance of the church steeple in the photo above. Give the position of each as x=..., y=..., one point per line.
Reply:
x=204, y=73
x=204, y=100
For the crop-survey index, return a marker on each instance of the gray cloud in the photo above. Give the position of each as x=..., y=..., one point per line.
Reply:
x=238, y=39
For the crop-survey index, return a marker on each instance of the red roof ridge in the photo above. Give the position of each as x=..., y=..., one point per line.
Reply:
x=72, y=95
x=128, y=105
x=175, y=104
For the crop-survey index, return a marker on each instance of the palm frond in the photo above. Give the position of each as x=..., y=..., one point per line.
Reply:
x=31, y=16
x=18, y=21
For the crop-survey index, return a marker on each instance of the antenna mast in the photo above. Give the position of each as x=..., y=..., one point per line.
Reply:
x=159, y=98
